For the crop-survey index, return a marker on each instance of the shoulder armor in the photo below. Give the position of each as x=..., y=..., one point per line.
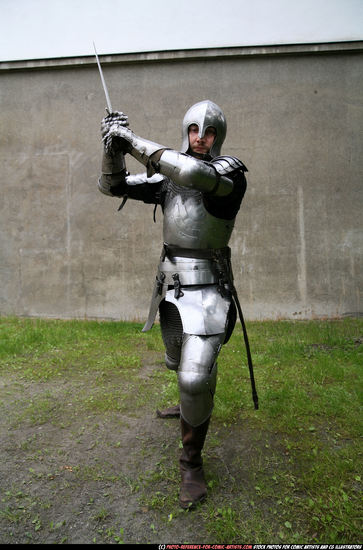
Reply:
x=226, y=165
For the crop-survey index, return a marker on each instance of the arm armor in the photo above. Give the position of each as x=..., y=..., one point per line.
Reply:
x=116, y=182
x=183, y=169
x=194, y=173
x=113, y=173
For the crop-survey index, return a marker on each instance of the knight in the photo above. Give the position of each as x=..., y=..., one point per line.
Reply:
x=200, y=192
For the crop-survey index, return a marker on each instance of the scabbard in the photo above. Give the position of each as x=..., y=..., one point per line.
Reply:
x=248, y=351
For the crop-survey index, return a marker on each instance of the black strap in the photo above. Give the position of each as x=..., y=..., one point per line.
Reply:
x=249, y=358
x=123, y=203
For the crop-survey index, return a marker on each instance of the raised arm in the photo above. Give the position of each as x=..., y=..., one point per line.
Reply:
x=115, y=181
x=183, y=169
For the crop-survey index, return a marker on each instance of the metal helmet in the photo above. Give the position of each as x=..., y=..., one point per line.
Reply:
x=204, y=114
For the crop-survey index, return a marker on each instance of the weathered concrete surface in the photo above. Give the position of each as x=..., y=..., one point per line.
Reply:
x=295, y=120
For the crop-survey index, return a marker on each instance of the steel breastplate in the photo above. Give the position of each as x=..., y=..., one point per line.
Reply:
x=187, y=223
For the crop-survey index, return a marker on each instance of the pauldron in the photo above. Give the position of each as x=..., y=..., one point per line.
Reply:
x=226, y=165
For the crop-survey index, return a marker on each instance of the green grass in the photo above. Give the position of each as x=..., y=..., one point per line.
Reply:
x=301, y=480
x=309, y=377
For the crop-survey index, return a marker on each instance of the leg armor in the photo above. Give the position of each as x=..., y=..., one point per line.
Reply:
x=197, y=376
x=194, y=357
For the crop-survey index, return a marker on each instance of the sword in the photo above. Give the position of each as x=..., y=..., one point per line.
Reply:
x=108, y=144
x=109, y=106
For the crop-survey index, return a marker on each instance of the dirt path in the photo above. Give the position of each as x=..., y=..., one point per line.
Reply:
x=108, y=478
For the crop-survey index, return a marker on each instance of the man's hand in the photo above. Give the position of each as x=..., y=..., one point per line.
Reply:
x=114, y=132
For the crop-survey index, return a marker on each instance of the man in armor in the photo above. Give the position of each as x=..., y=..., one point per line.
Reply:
x=200, y=193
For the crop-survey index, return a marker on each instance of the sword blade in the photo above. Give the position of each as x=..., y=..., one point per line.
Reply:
x=109, y=106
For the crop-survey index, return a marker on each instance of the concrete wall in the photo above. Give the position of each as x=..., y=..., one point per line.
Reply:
x=294, y=117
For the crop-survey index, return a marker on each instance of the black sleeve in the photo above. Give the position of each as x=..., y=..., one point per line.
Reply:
x=146, y=192
x=227, y=207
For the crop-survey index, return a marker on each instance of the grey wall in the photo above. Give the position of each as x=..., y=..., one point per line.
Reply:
x=294, y=117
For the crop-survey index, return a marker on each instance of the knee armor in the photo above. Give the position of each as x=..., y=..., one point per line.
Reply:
x=197, y=376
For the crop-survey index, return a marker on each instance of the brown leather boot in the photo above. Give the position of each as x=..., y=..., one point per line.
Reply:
x=193, y=488
x=170, y=412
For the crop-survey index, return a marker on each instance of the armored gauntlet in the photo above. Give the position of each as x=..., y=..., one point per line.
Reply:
x=113, y=160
